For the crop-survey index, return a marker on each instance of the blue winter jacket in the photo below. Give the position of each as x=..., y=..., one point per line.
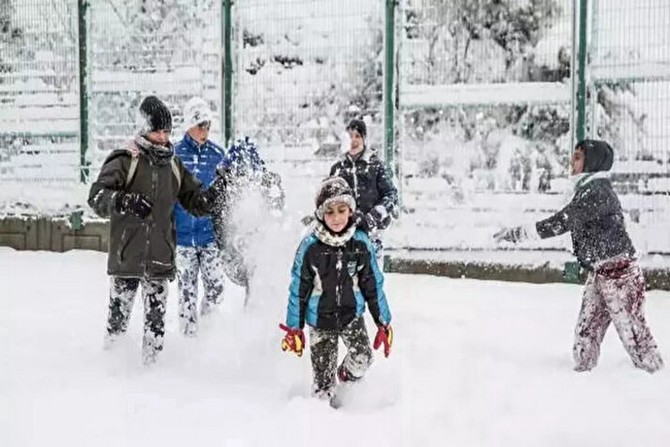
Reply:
x=201, y=161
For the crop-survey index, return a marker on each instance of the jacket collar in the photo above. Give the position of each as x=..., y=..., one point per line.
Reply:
x=192, y=143
x=579, y=181
x=365, y=156
x=157, y=154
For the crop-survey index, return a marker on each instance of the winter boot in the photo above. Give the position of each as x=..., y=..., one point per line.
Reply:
x=345, y=376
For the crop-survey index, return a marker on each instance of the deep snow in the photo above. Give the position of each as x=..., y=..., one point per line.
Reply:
x=474, y=364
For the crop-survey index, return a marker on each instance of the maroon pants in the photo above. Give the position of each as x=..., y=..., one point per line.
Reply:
x=615, y=292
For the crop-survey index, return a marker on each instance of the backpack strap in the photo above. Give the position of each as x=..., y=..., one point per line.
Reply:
x=175, y=171
x=134, y=159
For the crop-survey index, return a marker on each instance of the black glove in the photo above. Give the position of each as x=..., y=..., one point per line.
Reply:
x=134, y=203
x=514, y=235
x=216, y=192
x=377, y=217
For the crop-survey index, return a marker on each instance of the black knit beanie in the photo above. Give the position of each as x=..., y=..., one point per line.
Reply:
x=156, y=115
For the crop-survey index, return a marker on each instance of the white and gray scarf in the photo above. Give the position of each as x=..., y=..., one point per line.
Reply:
x=335, y=240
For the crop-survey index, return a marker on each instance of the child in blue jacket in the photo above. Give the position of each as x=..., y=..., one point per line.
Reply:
x=197, y=251
x=334, y=276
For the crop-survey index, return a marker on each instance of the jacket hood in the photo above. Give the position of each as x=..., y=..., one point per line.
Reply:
x=598, y=155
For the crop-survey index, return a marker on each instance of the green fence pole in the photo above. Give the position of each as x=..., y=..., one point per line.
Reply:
x=227, y=90
x=581, y=86
x=82, y=8
x=389, y=66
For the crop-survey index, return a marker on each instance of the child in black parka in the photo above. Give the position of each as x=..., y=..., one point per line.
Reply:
x=615, y=287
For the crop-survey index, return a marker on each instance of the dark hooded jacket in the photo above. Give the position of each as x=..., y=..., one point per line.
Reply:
x=145, y=247
x=371, y=182
x=594, y=216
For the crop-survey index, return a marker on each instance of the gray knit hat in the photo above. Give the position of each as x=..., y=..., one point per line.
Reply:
x=333, y=190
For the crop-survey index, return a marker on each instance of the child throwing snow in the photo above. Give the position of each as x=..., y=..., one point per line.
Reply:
x=615, y=287
x=137, y=189
x=334, y=274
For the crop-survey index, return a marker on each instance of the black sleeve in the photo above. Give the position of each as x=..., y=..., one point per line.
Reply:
x=110, y=181
x=333, y=168
x=388, y=194
x=587, y=205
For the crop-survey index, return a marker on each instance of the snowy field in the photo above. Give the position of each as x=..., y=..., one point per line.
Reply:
x=474, y=364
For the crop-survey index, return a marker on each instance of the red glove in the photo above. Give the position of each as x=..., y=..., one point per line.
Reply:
x=293, y=341
x=385, y=336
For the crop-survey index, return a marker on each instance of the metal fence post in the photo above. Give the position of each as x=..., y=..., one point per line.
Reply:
x=82, y=9
x=581, y=71
x=389, y=85
x=227, y=90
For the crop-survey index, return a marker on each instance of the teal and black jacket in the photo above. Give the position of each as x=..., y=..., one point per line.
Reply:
x=331, y=285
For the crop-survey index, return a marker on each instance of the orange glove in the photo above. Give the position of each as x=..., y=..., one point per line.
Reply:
x=384, y=336
x=293, y=341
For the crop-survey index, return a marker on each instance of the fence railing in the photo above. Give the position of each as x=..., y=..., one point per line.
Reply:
x=475, y=105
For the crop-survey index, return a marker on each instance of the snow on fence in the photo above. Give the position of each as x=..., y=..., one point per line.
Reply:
x=485, y=111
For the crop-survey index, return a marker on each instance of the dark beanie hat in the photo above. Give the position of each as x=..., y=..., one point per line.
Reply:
x=333, y=190
x=359, y=126
x=598, y=155
x=156, y=115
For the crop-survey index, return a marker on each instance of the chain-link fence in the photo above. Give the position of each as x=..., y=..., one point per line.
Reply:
x=39, y=91
x=489, y=95
x=629, y=105
x=486, y=95
x=303, y=70
x=135, y=48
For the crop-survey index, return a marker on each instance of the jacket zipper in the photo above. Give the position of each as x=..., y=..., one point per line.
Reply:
x=338, y=290
x=150, y=220
x=354, y=174
x=196, y=161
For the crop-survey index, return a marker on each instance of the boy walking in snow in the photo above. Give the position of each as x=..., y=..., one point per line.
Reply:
x=615, y=287
x=136, y=189
x=197, y=251
x=334, y=275
x=372, y=185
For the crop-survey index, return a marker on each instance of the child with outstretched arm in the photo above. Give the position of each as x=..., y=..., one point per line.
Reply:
x=615, y=287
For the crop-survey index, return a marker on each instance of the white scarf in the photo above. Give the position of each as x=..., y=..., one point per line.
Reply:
x=578, y=181
x=324, y=235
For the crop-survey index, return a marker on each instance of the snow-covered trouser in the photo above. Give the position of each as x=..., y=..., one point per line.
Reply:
x=235, y=267
x=121, y=297
x=323, y=349
x=191, y=261
x=615, y=292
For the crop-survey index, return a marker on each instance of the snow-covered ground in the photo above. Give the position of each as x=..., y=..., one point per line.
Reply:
x=474, y=364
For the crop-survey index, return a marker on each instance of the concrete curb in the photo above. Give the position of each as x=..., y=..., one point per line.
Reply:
x=65, y=233
x=656, y=278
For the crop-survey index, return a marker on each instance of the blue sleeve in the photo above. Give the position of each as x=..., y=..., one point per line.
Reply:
x=302, y=283
x=371, y=282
